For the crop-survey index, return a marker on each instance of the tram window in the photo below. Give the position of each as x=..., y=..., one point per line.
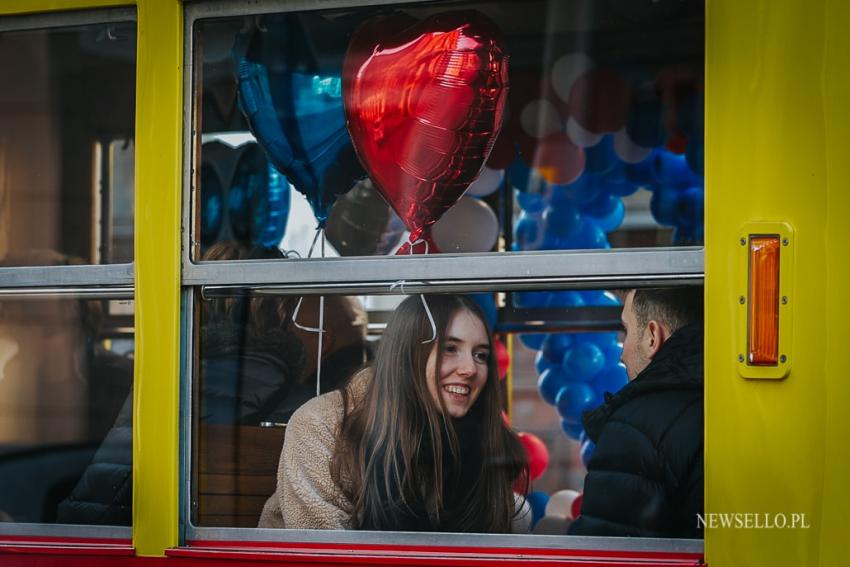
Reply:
x=66, y=378
x=555, y=353
x=66, y=130
x=601, y=141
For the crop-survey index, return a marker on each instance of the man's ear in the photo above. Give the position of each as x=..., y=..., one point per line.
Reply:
x=656, y=336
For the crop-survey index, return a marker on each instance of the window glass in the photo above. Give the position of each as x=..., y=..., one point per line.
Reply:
x=573, y=126
x=66, y=378
x=256, y=367
x=66, y=153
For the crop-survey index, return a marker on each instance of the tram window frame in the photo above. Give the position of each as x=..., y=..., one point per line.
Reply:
x=365, y=275
x=89, y=281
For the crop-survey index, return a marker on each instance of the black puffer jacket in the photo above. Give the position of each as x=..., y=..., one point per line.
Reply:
x=238, y=386
x=645, y=478
x=104, y=494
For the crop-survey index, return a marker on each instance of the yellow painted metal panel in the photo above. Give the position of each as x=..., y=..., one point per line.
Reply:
x=777, y=146
x=158, y=173
x=8, y=7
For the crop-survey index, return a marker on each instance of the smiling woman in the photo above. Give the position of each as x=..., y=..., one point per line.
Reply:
x=414, y=443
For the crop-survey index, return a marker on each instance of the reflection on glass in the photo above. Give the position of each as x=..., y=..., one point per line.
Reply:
x=257, y=367
x=66, y=122
x=584, y=127
x=66, y=377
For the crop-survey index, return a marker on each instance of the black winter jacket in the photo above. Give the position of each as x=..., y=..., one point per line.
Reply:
x=645, y=478
x=237, y=388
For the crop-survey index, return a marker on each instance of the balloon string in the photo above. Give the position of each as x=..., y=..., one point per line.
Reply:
x=320, y=231
x=400, y=284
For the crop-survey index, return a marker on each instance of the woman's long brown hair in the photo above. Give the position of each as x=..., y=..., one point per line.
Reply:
x=383, y=434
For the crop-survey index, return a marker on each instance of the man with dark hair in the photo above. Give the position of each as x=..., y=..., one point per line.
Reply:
x=645, y=477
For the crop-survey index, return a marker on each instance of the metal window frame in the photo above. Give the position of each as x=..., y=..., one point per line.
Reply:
x=67, y=19
x=66, y=531
x=569, y=269
x=104, y=281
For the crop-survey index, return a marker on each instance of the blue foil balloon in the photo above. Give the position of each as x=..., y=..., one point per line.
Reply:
x=258, y=201
x=212, y=205
x=294, y=108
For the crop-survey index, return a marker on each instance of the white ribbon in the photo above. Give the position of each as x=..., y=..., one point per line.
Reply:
x=321, y=328
x=400, y=284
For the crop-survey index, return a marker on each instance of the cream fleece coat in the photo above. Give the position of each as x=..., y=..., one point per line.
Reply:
x=306, y=496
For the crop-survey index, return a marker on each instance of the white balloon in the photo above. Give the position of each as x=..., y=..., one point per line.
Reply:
x=566, y=70
x=539, y=118
x=488, y=181
x=627, y=150
x=581, y=137
x=469, y=226
x=560, y=504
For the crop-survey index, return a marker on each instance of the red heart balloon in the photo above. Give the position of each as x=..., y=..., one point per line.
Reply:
x=424, y=104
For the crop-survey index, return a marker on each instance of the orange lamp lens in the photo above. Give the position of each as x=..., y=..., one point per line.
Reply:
x=763, y=320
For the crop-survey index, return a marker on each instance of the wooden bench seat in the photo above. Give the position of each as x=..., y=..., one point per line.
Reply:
x=237, y=472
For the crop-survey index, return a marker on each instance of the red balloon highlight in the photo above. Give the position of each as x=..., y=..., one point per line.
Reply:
x=506, y=420
x=575, y=509
x=503, y=359
x=424, y=104
x=538, y=454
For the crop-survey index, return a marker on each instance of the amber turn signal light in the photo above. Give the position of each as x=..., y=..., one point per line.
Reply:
x=763, y=316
